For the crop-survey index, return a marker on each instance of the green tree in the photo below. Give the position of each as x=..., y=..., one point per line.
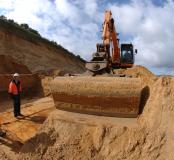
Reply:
x=3, y=17
x=24, y=25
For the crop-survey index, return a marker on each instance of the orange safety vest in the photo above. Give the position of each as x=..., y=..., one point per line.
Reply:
x=13, y=88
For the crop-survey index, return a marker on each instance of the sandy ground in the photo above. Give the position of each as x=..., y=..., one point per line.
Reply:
x=71, y=136
x=50, y=134
x=35, y=112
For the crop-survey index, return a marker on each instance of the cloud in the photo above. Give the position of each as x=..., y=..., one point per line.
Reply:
x=76, y=25
x=151, y=28
x=67, y=10
x=73, y=25
x=90, y=7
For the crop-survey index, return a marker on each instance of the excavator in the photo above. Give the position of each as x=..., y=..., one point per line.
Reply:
x=99, y=91
x=102, y=60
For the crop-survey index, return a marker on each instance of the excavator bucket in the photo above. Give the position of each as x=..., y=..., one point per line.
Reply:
x=107, y=96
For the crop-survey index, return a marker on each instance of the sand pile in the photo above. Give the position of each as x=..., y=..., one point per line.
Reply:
x=9, y=66
x=72, y=136
x=137, y=71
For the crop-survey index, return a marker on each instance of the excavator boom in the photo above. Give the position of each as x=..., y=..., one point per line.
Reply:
x=110, y=36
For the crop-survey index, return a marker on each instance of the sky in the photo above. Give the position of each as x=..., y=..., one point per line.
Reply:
x=77, y=25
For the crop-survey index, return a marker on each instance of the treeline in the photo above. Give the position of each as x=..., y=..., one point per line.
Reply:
x=25, y=31
x=23, y=25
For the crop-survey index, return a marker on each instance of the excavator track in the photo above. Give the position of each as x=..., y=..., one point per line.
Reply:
x=106, y=96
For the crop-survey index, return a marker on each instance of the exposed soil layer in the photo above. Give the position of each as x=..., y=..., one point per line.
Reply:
x=98, y=95
x=9, y=66
x=36, y=55
x=71, y=136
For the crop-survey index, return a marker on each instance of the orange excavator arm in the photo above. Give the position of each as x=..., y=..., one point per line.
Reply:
x=109, y=37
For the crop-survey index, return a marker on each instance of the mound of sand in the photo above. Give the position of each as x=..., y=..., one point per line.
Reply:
x=74, y=136
x=66, y=135
x=138, y=72
x=9, y=66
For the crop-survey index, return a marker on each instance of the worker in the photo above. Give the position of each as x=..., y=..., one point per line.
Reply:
x=15, y=90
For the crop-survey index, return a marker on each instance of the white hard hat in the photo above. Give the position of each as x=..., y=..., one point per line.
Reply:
x=16, y=75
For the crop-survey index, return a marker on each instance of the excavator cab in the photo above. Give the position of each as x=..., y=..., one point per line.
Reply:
x=127, y=55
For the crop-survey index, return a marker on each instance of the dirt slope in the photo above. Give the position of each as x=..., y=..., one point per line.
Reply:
x=75, y=136
x=35, y=54
x=9, y=66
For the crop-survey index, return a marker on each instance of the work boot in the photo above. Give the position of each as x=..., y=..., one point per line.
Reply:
x=20, y=115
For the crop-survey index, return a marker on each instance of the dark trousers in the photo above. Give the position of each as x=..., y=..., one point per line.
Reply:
x=17, y=105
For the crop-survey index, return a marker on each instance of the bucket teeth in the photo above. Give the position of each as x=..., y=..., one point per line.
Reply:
x=108, y=96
